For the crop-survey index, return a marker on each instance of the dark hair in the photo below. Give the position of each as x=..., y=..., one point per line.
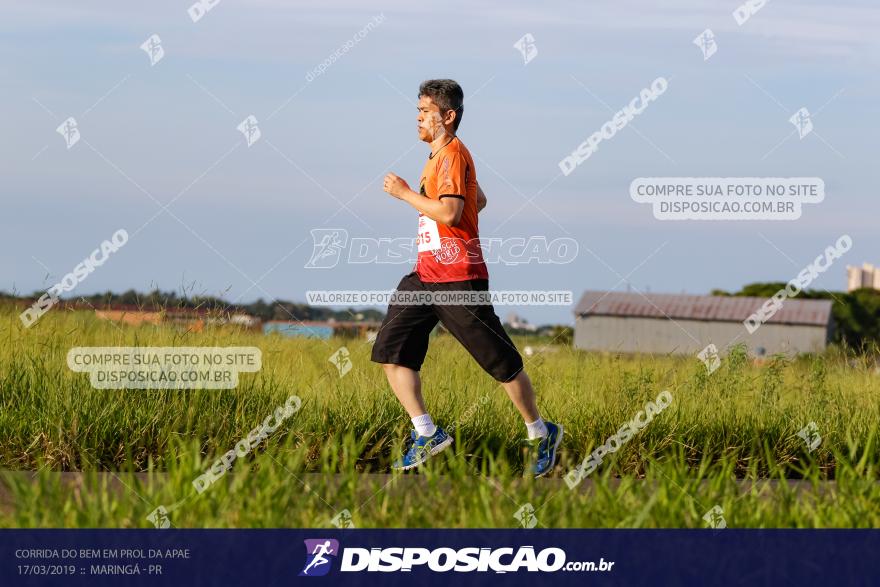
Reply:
x=447, y=95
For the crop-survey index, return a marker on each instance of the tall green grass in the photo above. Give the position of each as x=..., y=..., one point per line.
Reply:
x=739, y=423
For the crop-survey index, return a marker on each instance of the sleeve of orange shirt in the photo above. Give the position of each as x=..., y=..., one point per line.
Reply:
x=452, y=176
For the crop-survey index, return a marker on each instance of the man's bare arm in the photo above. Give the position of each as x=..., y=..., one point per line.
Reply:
x=481, y=198
x=445, y=210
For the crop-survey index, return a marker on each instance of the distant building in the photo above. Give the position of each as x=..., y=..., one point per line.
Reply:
x=514, y=321
x=865, y=276
x=318, y=329
x=245, y=320
x=297, y=329
x=133, y=317
x=192, y=319
x=671, y=323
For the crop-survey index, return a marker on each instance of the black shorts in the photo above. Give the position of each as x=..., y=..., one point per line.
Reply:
x=403, y=336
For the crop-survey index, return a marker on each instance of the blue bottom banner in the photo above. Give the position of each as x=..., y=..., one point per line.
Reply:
x=400, y=557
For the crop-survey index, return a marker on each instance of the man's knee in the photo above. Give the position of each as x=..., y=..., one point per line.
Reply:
x=391, y=368
x=504, y=367
x=510, y=375
x=507, y=373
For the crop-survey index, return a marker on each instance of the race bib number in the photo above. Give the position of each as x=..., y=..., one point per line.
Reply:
x=429, y=236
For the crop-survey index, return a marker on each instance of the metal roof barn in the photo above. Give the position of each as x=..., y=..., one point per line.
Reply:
x=672, y=323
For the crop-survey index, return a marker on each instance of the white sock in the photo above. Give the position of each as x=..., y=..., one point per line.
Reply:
x=424, y=425
x=537, y=429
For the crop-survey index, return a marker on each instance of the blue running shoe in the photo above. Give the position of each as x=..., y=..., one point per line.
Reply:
x=544, y=450
x=421, y=448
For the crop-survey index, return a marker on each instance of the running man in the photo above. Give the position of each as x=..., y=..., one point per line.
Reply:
x=450, y=259
x=319, y=559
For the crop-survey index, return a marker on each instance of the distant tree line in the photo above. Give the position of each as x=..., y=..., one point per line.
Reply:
x=159, y=300
x=856, y=314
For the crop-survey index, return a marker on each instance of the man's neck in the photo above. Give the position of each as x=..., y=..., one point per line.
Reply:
x=441, y=142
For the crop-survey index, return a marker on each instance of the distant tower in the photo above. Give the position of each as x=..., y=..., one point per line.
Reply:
x=865, y=276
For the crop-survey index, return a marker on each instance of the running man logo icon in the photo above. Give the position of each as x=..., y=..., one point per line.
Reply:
x=343, y=520
x=715, y=518
x=526, y=46
x=810, y=435
x=327, y=245
x=802, y=122
x=159, y=517
x=342, y=360
x=317, y=552
x=706, y=42
x=526, y=516
x=70, y=131
x=250, y=130
x=153, y=48
x=710, y=358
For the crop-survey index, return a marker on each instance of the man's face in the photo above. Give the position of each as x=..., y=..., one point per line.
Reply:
x=430, y=121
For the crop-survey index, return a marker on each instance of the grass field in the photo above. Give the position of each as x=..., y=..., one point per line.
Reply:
x=722, y=439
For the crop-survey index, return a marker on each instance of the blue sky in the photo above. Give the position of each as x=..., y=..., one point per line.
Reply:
x=243, y=214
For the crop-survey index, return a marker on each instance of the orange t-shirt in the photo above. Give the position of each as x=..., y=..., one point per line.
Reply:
x=450, y=253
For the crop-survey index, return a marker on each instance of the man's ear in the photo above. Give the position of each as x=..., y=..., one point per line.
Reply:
x=450, y=117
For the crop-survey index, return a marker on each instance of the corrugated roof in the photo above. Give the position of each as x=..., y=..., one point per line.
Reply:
x=694, y=307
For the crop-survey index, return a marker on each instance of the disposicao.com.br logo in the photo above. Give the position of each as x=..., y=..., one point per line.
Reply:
x=441, y=560
x=317, y=552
